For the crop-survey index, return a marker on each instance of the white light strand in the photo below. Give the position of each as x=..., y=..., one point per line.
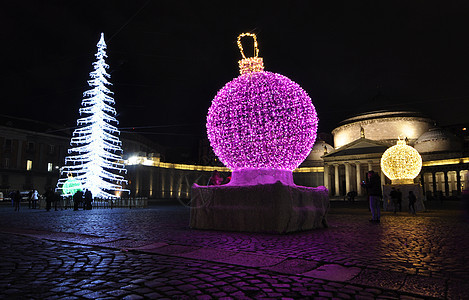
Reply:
x=96, y=154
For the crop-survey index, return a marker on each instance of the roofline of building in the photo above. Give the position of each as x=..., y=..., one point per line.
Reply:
x=379, y=114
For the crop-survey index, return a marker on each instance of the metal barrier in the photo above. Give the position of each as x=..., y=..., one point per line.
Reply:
x=120, y=203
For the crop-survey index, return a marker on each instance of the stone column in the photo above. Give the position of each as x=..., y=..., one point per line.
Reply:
x=359, y=178
x=347, y=178
x=434, y=183
x=446, y=183
x=383, y=179
x=151, y=182
x=370, y=165
x=336, y=177
x=327, y=178
x=137, y=183
x=422, y=182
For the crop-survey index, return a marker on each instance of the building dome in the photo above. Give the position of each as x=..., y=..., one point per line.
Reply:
x=437, y=139
x=319, y=149
x=383, y=126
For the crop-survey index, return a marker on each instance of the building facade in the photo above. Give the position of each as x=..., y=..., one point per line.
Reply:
x=360, y=141
x=152, y=178
x=32, y=153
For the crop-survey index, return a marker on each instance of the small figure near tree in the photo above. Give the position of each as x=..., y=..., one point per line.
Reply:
x=88, y=199
x=215, y=179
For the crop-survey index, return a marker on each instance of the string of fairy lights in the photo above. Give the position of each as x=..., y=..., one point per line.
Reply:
x=261, y=120
x=95, y=158
x=401, y=163
x=249, y=64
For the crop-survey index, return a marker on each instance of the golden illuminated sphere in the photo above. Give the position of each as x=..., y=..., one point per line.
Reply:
x=401, y=163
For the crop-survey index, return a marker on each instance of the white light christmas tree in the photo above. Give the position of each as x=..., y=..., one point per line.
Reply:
x=96, y=155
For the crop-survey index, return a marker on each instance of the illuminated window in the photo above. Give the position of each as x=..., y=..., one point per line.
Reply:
x=29, y=165
x=49, y=167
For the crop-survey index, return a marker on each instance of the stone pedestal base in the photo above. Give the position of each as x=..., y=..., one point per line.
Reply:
x=273, y=208
x=404, y=188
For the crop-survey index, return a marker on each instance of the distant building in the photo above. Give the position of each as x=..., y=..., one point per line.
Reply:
x=32, y=153
x=360, y=141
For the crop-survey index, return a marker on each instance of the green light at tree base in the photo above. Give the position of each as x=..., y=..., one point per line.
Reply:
x=71, y=186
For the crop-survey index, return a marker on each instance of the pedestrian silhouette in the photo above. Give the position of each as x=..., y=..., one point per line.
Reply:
x=373, y=189
x=394, y=198
x=465, y=198
x=56, y=199
x=17, y=200
x=412, y=200
x=399, y=199
x=34, y=199
x=88, y=199
x=30, y=194
x=49, y=195
x=351, y=196
x=77, y=199
x=215, y=179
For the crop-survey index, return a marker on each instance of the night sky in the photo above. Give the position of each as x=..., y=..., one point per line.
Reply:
x=169, y=58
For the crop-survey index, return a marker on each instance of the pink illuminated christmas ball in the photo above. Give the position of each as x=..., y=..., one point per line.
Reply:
x=262, y=120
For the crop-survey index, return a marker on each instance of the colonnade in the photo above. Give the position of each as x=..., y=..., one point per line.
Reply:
x=446, y=180
x=343, y=177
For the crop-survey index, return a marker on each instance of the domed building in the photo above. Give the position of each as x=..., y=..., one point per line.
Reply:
x=445, y=162
x=360, y=141
x=438, y=140
x=314, y=159
x=383, y=126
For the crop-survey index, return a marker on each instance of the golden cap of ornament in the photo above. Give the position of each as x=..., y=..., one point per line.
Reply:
x=250, y=64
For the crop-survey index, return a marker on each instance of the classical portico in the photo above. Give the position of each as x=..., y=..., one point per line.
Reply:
x=444, y=177
x=345, y=168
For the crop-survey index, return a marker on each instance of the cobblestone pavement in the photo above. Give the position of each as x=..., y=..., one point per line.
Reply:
x=151, y=253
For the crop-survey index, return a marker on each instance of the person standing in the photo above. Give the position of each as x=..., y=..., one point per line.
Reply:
x=77, y=199
x=30, y=199
x=57, y=200
x=394, y=198
x=373, y=189
x=49, y=195
x=399, y=199
x=412, y=200
x=465, y=198
x=215, y=179
x=34, y=198
x=17, y=200
x=88, y=199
